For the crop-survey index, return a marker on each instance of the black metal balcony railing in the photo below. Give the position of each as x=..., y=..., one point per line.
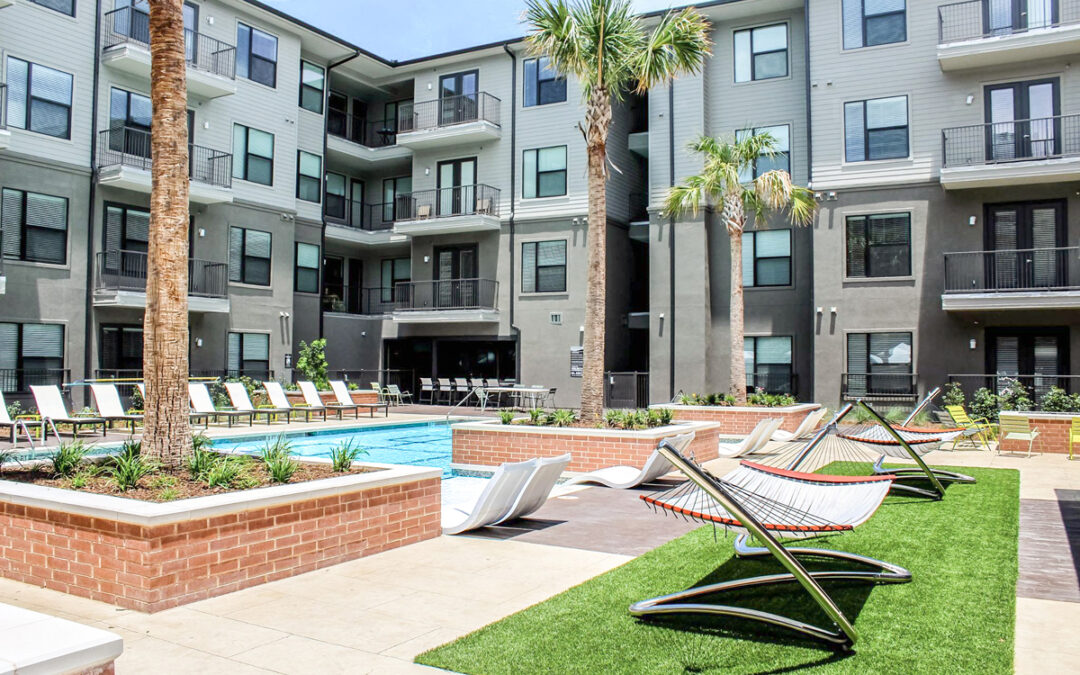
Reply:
x=976, y=19
x=1029, y=269
x=130, y=25
x=373, y=134
x=373, y=217
x=772, y=382
x=127, y=146
x=345, y=299
x=879, y=386
x=1037, y=385
x=126, y=271
x=446, y=294
x=18, y=380
x=1018, y=140
x=447, y=202
x=448, y=111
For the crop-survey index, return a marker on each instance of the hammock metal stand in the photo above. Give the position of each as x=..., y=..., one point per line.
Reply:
x=842, y=635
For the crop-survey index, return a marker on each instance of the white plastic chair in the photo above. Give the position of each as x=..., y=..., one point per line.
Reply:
x=626, y=477
x=498, y=497
x=538, y=489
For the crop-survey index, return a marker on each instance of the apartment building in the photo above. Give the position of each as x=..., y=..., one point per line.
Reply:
x=428, y=217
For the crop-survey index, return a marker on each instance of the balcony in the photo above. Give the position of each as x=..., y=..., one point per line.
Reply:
x=1019, y=152
x=123, y=161
x=1038, y=384
x=361, y=145
x=120, y=281
x=19, y=380
x=211, y=63
x=977, y=34
x=368, y=224
x=5, y=135
x=885, y=387
x=446, y=301
x=465, y=208
x=344, y=299
x=772, y=382
x=451, y=120
x=1034, y=278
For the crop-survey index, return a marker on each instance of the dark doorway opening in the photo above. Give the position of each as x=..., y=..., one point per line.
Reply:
x=491, y=358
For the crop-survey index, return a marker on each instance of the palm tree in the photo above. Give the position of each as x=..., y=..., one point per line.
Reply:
x=166, y=437
x=770, y=193
x=608, y=49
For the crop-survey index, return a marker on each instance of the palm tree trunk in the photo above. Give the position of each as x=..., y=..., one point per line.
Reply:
x=598, y=121
x=734, y=217
x=165, y=328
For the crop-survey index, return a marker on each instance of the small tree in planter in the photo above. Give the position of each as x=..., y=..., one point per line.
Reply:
x=312, y=363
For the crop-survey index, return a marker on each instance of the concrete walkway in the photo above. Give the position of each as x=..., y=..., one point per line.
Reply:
x=375, y=614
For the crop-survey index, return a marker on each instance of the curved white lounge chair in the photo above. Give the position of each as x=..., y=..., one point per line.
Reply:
x=50, y=405
x=809, y=423
x=754, y=442
x=280, y=400
x=498, y=497
x=238, y=395
x=538, y=488
x=626, y=477
x=109, y=407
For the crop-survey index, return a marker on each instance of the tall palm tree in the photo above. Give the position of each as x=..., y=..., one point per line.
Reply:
x=165, y=329
x=608, y=49
x=770, y=193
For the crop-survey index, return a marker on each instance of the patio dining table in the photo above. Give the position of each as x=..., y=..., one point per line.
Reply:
x=533, y=393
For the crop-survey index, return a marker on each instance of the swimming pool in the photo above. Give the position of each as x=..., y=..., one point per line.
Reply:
x=416, y=443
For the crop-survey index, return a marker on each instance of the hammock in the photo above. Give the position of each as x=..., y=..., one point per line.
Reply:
x=767, y=503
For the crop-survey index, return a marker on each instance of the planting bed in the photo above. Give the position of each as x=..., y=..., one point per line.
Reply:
x=741, y=419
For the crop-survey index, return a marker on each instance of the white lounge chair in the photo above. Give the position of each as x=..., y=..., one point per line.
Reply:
x=192, y=415
x=109, y=407
x=202, y=404
x=498, y=497
x=15, y=425
x=241, y=402
x=538, y=488
x=315, y=402
x=809, y=423
x=754, y=442
x=50, y=405
x=341, y=392
x=626, y=477
x=278, y=399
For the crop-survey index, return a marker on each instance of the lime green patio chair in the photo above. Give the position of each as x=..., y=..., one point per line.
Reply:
x=1074, y=434
x=1017, y=428
x=979, y=428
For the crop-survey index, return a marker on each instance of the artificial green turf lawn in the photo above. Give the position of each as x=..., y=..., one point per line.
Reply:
x=957, y=615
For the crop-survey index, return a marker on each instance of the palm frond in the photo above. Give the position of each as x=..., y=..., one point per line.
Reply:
x=556, y=35
x=678, y=46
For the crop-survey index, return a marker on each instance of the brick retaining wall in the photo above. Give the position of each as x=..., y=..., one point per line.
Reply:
x=1053, y=433
x=742, y=420
x=151, y=568
x=591, y=449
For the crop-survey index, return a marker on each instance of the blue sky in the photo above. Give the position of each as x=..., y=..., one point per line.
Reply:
x=404, y=29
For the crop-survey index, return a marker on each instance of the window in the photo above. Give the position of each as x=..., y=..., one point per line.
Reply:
x=761, y=53
x=879, y=363
x=874, y=22
x=876, y=129
x=879, y=245
x=130, y=117
x=394, y=271
x=779, y=161
x=30, y=353
x=62, y=6
x=38, y=98
x=126, y=229
x=335, y=195
x=312, y=85
x=768, y=364
x=545, y=173
x=34, y=226
x=543, y=266
x=308, y=171
x=248, y=354
x=256, y=55
x=766, y=258
x=121, y=349
x=253, y=155
x=307, y=268
x=543, y=84
x=249, y=256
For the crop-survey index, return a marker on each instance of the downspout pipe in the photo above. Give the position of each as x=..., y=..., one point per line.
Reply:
x=88, y=330
x=809, y=174
x=326, y=131
x=671, y=241
x=513, y=204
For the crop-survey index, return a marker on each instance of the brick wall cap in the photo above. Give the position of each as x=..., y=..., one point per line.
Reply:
x=797, y=408
x=39, y=643
x=1035, y=414
x=650, y=434
x=152, y=513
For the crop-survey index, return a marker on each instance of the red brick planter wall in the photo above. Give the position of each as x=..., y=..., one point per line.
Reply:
x=741, y=420
x=151, y=568
x=494, y=444
x=1053, y=433
x=328, y=397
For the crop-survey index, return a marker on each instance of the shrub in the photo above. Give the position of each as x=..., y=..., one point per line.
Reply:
x=200, y=441
x=506, y=416
x=562, y=418
x=223, y=472
x=80, y=480
x=281, y=468
x=984, y=404
x=954, y=394
x=1056, y=400
x=664, y=416
x=14, y=409
x=69, y=458
x=894, y=415
x=615, y=418
x=759, y=397
x=536, y=417
x=200, y=461
x=137, y=402
x=1013, y=395
x=127, y=469
x=343, y=454
x=131, y=448
x=311, y=362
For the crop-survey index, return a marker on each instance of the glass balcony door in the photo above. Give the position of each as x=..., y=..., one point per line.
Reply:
x=458, y=97
x=1002, y=17
x=455, y=276
x=457, y=187
x=1022, y=120
x=1026, y=235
